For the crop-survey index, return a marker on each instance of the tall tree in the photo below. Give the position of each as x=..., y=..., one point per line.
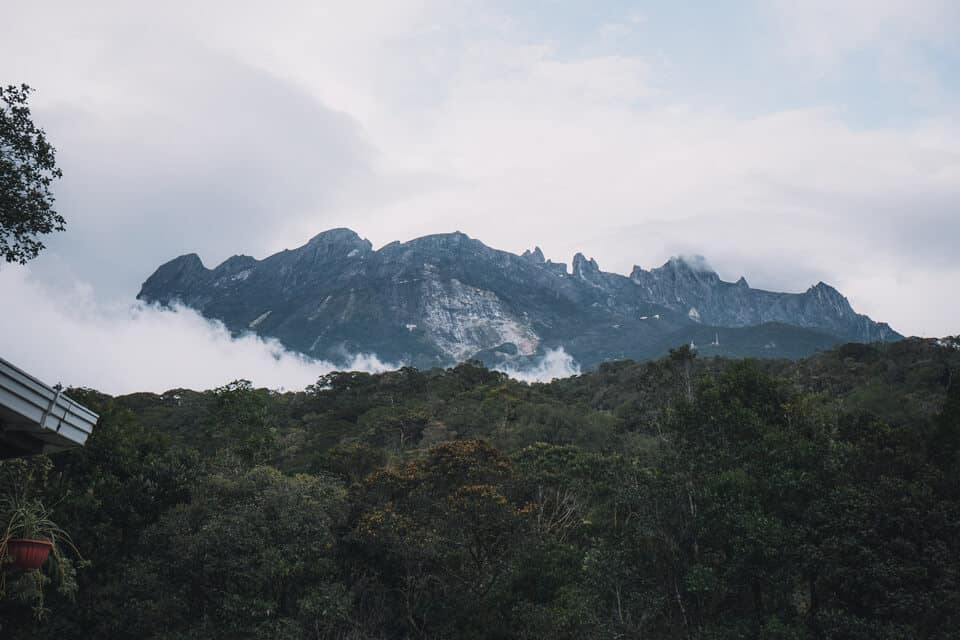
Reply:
x=27, y=169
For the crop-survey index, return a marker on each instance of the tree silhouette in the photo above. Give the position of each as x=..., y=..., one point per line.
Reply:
x=27, y=169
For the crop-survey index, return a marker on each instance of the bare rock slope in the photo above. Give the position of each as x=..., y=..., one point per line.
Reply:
x=445, y=298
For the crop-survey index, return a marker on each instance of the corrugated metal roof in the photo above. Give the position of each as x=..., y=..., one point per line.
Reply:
x=36, y=418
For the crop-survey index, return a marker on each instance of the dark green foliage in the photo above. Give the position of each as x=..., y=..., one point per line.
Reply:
x=240, y=559
x=27, y=170
x=692, y=498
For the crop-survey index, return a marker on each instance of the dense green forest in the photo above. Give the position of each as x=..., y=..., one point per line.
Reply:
x=682, y=498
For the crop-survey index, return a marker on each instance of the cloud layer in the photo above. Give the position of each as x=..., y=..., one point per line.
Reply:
x=554, y=364
x=68, y=337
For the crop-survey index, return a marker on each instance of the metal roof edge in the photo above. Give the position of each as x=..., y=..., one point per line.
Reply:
x=45, y=408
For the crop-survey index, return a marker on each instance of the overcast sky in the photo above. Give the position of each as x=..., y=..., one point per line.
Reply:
x=789, y=142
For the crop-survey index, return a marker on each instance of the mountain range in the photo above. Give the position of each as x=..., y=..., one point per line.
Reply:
x=446, y=298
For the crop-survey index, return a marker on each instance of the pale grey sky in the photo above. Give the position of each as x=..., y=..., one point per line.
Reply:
x=787, y=142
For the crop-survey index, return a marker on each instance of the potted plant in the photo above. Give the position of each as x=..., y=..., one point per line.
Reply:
x=28, y=554
x=29, y=535
x=33, y=548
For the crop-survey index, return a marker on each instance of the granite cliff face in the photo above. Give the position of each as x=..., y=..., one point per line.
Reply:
x=445, y=298
x=689, y=286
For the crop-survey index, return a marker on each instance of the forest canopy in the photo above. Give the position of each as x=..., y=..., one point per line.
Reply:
x=682, y=498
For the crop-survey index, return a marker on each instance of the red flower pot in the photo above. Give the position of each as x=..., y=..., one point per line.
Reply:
x=28, y=554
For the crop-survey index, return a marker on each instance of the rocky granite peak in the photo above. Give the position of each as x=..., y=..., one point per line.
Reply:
x=584, y=268
x=694, y=263
x=443, y=298
x=534, y=256
x=179, y=273
x=338, y=236
x=335, y=244
x=237, y=263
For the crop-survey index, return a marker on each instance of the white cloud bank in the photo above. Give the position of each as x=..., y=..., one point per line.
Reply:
x=68, y=337
x=554, y=364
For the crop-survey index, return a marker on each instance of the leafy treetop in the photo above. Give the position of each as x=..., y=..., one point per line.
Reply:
x=27, y=170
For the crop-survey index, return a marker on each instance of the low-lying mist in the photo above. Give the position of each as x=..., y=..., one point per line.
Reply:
x=555, y=363
x=66, y=336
